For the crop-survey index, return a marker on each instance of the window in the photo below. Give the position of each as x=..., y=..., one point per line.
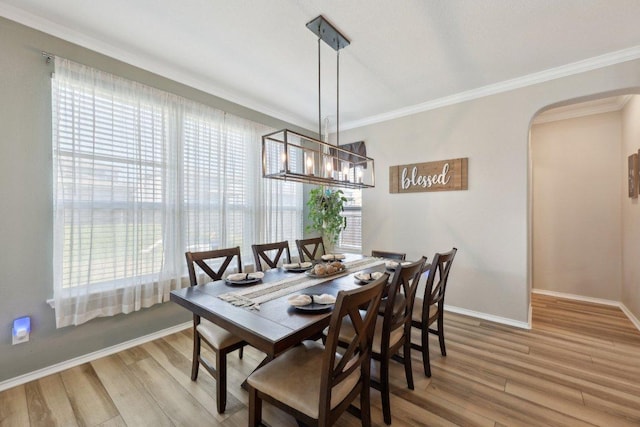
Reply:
x=351, y=237
x=141, y=176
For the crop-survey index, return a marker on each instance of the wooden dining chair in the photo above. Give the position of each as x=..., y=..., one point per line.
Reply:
x=393, y=330
x=389, y=255
x=310, y=249
x=214, y=264
x=430, y=308
x=270, y=253
x=315, y=383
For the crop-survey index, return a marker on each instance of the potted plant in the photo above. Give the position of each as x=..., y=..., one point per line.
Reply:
x=325, y=213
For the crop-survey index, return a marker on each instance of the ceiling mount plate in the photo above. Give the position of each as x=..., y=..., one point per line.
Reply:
x=328, y=33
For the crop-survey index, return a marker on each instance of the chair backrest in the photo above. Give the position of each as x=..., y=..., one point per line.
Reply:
x=437, y=284
x=214, y=270
x=337, y=367
x=262, y=253
x=310, y=249
x=400, y=298
x=389, y=255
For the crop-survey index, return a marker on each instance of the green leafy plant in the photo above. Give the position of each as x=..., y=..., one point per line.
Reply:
x=325, y=209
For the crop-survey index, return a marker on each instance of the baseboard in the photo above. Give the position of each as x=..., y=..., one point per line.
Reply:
x=618, y=304
x=58, y=367
x=489, y=317
x=576, y=297
x=630, y=315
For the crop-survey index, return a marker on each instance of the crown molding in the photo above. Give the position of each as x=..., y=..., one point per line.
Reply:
x=578, y=67
x=582, y=109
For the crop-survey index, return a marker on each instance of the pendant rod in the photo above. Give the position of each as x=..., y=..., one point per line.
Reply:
x=337, y=97
x=319, y=95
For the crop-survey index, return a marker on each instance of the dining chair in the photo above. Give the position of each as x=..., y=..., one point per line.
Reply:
x=270, y=253
x=315, y=383
x=310, y=249
x=430, y=308
x=394, y=331
x=389, y=255
x=214, y=264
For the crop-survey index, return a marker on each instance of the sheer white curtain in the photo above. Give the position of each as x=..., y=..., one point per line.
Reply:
x=141, y=176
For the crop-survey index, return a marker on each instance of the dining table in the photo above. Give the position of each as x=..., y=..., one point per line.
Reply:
x=259, y=312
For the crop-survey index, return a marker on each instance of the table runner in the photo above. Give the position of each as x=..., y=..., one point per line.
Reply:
x=252, y=296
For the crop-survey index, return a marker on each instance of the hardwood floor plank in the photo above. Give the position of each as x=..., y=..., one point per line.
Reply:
x=578, y=366
x=503, y=407
x=237, y=369
x=436, y=406
x=409, y=414
x=114, y=422
x=48, y=403
x=91, y=403
x=466, y=333
x=13, y=408
x=617, y=407
x=469, y=367
x=135, y=406
x=585, y=380
x=204, y=389
x=577, y=410
x=133, y=355
x=176, y=402
x=515, y=373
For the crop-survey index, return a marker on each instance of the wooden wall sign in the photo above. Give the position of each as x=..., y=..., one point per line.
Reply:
x=443, y=175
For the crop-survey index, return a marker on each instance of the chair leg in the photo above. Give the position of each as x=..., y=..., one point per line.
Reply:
x=365, y=405
x=240, y=352
x=443, y=350
x=195, y=364
x=407, y=363
x=425, y=352
x=384, y=390
x=221, y=381
x=255, y=408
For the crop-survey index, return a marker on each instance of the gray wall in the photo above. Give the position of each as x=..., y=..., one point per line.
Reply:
x=488, y=223
x=26, y=204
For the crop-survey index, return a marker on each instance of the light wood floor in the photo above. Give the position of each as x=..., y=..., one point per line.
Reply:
x=580, y=365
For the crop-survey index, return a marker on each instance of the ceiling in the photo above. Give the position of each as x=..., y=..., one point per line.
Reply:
x=405, y=55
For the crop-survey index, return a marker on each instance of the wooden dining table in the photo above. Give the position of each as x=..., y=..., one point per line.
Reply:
x=276, y=325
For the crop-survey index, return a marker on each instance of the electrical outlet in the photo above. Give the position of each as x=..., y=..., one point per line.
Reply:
x=20, y=339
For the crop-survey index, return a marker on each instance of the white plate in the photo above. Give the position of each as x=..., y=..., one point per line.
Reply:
x=243, y=282
x=314, y=307
x=333, y=257
x=359, y=278
x=392, y=265
x=297, y=269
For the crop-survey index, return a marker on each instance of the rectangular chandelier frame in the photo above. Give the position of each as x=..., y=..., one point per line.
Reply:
x=291, y=156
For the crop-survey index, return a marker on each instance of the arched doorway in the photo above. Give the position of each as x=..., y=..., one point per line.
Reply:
x=581, y=223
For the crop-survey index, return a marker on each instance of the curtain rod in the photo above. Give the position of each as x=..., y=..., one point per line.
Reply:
x=48, y=55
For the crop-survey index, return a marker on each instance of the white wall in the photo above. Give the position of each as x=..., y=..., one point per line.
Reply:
x=630, y=211
x=488, y=222
x=577, y=222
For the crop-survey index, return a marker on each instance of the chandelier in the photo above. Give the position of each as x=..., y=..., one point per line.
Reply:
x=292, y=156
